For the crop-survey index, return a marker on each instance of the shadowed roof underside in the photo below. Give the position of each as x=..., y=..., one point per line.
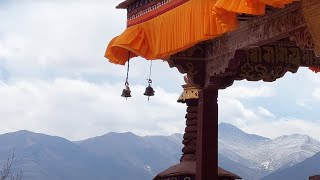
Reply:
x=125, y=4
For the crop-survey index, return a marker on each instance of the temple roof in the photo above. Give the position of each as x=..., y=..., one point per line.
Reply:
x=167, y=27
x=125, y=4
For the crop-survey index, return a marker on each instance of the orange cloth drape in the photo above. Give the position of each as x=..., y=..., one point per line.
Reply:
x=183, y=27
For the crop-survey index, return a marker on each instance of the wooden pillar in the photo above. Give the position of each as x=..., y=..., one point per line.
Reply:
x=207, y=135
x=207, y=125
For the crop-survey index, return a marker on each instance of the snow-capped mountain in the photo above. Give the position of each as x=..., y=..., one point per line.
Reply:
x=128, y=156
x=306, y=168
x=263, y=154
x=286, y=151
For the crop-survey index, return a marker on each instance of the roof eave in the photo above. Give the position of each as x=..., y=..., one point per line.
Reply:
x=125, y=4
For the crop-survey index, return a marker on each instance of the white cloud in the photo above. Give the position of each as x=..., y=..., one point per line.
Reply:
x=77, y=109
x=286, y=106
x=305, y=103
x=58, y=39
x=265, y=112
x=63, y=37
x=285, y=126
x=234, y=112
x=316, y=93
x=263, y=122
x=58, y=82
x=245, y=92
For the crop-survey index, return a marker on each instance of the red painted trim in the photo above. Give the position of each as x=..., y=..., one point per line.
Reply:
x=157, y=12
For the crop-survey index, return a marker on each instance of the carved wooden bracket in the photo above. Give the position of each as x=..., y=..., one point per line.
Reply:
x=269, y=63
x=220, y=82
x=302, y=38
x=195, y=70
x=196, y=52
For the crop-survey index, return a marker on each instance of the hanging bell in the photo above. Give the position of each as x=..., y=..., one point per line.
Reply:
x=149, y=91
x=126, y=92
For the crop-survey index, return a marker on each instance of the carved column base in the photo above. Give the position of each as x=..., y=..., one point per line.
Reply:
x=186, y=169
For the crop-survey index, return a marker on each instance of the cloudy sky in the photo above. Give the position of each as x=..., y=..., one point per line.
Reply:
x=55, y=80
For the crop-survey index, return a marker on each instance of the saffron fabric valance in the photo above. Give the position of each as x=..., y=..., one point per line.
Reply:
x=171, y=26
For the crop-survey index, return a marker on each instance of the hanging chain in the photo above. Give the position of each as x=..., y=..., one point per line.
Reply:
x=149, y=79
x=127, y=78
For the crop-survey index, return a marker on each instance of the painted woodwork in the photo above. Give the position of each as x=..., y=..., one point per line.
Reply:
x=264, y=48
x=255, y=32
x=271, y=62
x=190, y=136
x=139, y=11
x=302, y=38
x=194, y=70
x=189, y=93
x=311, y=13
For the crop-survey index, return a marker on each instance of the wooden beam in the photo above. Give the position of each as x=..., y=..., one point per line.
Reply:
x=271, y=62
x=260, y=31
x=256, y=32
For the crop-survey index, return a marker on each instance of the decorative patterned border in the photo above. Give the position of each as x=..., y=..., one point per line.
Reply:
x=153, y=11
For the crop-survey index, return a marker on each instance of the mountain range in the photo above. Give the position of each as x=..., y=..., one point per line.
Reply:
x=118, y=156
x=263, y=155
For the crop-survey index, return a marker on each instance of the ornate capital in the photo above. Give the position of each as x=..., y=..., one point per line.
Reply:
x=195, y=70
x=189, y=92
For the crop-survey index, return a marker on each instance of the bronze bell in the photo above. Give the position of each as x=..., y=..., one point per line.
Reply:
x=126, y=92
x=149, y=91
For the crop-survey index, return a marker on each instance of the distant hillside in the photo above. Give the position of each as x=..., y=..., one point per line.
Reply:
x=53, y=158
x=307, y=168
x=239, y=169
x=119, y=156
x=151, y=154
x=262, y=154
